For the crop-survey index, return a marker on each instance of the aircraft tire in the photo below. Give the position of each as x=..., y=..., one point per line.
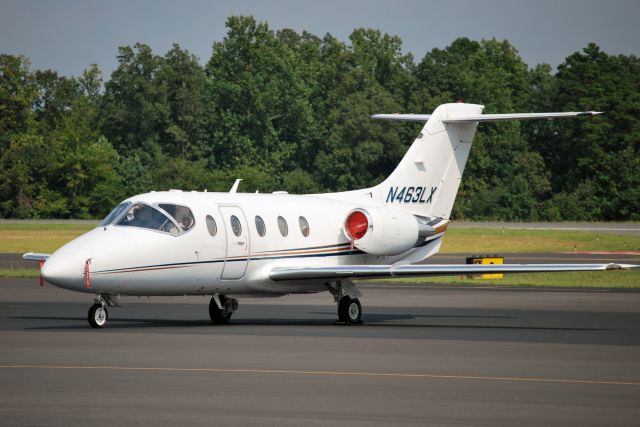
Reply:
x=217, y=315
x=98, y=316
x=350, y=311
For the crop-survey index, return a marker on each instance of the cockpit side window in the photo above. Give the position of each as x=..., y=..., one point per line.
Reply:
x=182, y=215
x=145, y=216
x=115, y=213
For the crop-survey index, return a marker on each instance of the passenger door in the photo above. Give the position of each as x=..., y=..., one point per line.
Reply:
x=237, y=234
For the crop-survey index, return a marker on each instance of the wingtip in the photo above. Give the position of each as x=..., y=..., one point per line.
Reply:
x=621, y=266
x=34, y=256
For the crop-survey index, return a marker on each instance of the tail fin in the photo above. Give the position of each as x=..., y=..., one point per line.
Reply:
x=426, y=180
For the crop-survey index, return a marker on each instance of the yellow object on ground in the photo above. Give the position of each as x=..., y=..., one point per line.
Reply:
x=493, y=259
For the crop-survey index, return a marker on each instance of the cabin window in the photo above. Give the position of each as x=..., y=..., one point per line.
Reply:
x=260, y=227
x=212, y=228
x=282, y=225
x=115, y=213
x=145, y=216
x=181, y=214
x=304, y=226
x=236, y=227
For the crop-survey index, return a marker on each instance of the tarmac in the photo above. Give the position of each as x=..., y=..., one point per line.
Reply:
x=426, y=355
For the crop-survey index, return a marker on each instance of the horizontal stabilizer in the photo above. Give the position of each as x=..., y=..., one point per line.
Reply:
x=403, y=117
x=486, y=117
x=520, y=116
x=32, y=256
x=379, y=271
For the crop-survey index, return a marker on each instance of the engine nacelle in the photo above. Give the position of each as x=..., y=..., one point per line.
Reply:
x=383, y=231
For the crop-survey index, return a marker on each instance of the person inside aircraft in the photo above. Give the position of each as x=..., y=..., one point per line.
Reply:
x=144, y=216
x=181, y=214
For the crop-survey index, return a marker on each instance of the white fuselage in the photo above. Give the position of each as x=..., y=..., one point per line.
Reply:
x=137, y=261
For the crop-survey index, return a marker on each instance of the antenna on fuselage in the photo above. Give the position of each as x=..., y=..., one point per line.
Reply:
x=234, y=188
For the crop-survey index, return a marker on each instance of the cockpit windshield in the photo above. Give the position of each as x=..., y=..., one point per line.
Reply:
x=115, y=213
x=145, y=216
x=181, y=214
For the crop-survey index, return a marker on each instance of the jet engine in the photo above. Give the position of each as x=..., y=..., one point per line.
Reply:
x=383, y=231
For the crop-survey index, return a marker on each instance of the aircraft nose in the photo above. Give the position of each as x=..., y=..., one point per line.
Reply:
x=64, y=269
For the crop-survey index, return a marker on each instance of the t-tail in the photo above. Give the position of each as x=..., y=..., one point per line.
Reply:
x=427, y=179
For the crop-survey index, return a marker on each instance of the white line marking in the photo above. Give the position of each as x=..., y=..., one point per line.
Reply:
x=328, y=373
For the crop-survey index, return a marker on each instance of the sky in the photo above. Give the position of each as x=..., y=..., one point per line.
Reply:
x=69, y=35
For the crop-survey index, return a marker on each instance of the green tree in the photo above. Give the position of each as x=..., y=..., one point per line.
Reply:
x=17, y=95
x=184, y=133
x=134, y=105
x=505, y=178
x=602, y=154
x=260, y=105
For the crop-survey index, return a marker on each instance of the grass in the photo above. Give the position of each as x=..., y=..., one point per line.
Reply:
x=496, y=240
x=30, y=237
x=22, y=273
x=623, y=279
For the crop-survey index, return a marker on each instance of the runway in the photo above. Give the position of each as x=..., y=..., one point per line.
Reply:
x=427, y=355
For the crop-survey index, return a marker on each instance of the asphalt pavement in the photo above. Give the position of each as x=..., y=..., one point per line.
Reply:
x=426, y=355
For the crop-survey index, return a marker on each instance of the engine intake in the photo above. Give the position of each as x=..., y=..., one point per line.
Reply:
x=384, y=231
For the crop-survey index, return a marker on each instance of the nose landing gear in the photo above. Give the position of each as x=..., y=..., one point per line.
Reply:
x=98, y=314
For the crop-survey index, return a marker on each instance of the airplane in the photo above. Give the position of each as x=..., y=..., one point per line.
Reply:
x=246, y=245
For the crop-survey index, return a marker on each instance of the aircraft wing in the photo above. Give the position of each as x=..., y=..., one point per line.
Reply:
x=381, y=271
x=32, y=256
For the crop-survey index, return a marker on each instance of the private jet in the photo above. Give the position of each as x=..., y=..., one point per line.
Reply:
x=234, y=245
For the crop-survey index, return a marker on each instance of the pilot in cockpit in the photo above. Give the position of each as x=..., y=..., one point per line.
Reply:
x=184, y=217
x=141, y=217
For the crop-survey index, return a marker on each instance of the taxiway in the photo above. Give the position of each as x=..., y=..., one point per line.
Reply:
x=426, y=355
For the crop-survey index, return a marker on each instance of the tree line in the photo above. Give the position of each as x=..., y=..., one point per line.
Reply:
x=290, y=111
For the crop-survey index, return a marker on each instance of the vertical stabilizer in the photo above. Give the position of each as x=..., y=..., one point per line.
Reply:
x=426, y=181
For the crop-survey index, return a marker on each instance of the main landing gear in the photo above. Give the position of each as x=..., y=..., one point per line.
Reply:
x=349, y=308
x=98, y=314
x=221, y=308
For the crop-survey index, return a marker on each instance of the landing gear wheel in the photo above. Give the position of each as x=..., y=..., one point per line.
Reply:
x=219, y=316
x=350, y=311
x=98, y=315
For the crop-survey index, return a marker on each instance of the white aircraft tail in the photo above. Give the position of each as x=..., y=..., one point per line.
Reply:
x=426, y=181
x=427, y=178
